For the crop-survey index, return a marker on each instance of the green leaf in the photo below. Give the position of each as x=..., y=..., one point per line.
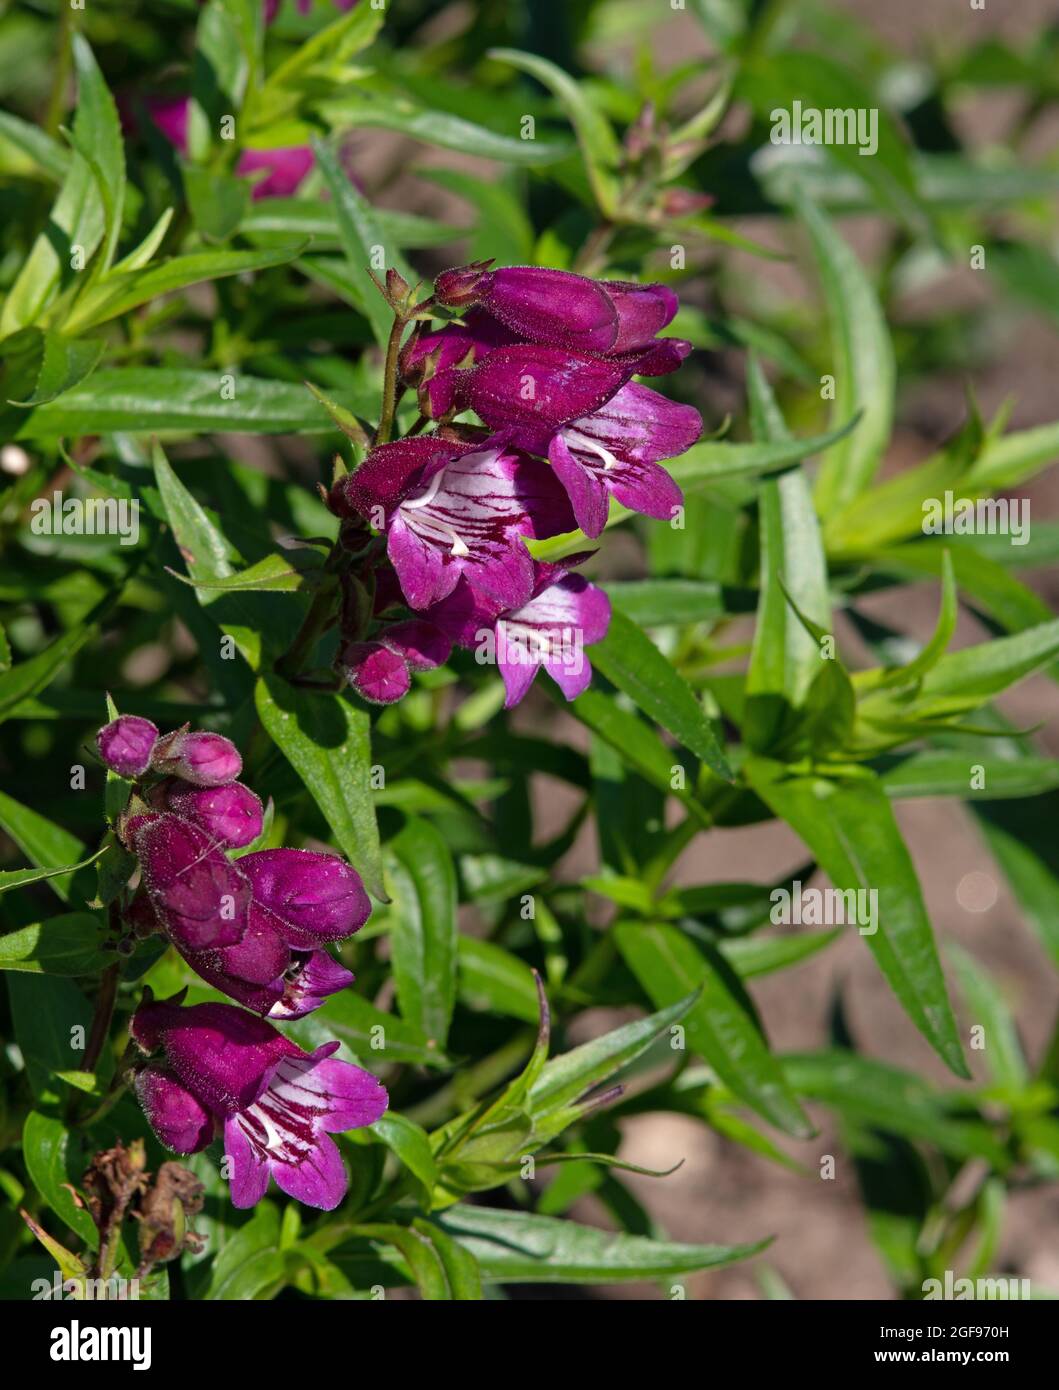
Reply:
x=761, y=955
x=851, y=831
x=327, y=740
x=660, y=602
x=54, y=1165
x=47, y=844
x=410, y=1143
x=250, y=1265
x=64, y=363
x=70, y=944
x=892, y=1100
x=639, y=746
x=217, y=200
x=969, y=677
x=362, y=241
x=50, y=1018
x=97, y=131
x=421, y=1255
x=423, y=935
x=566, y=1078
x=784, y=658
x=862, y=365
x=17, y=878
x=30, y=677
x=47, y=154
x=491, y=978
x=632, y=662
x=293, y=219
x=987, y=1009
x=721, y=1025
x=599, y=145
x=520, y=1247
x=372, y=109
x=776, y=79
x=935, y=772
x=147, y=400
x=1032, y=880
x=118, y=292
x=458, y=1264
x=368, y=1032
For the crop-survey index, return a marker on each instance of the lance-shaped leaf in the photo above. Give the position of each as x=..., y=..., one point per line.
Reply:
x=423, y=935
x=850, y=828
x=722, y=1025
x=862, y=363
x=327, y=740
x=520, y=1247
x=632, y=662
x=784, y=657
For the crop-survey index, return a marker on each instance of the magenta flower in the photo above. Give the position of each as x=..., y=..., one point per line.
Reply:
x=561, y=309
x=231, y=814
x=452, y=509
x=201, y=899
x=312, y=897
x=564, y=615
x=601, y=432
x=277, y=1105
x=380, y=670
x=204, y=759
x=286, y=166
x=615, y=451
x=126, y=744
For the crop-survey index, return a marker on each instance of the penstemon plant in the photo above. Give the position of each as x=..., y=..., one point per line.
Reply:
x=343, y=957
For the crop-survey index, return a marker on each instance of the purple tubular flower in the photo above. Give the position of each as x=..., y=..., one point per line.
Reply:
x=181, y=1122
x=312, y=978
x=231, y=814
x=204, y=759
x=201, y=899
x=527, y=392
x=277, y=1104
x=616, y=449
x=453, y=509
x=561, y=309
x=313, y=897
x=380, y=670
x=564, y=615
x=126, y=744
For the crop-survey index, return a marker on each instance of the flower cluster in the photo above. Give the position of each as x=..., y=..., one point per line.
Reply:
x=546, y=360
x=256, y=928
x=276, y=1105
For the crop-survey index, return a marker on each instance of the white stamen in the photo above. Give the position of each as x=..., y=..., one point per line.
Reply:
x=578, y=440
x=425, y=498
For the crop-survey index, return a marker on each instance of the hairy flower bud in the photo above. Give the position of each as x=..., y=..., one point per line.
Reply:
x=317, y=897
x=126, y=744
x=200, y=897
x=231, y=814
x=205, y=759
x=459, y=288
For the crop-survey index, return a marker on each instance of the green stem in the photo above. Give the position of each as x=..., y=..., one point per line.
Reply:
x=389, y=382
x=101, y=1019
x=315, y=624
x=61, y=75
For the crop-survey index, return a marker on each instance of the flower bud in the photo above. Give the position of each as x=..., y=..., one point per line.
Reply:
x=230, y=814
x=462, y=286
x=316, y=897
x=126, y=744
x=205, y=759
x=200, y=897
x=374, y=672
